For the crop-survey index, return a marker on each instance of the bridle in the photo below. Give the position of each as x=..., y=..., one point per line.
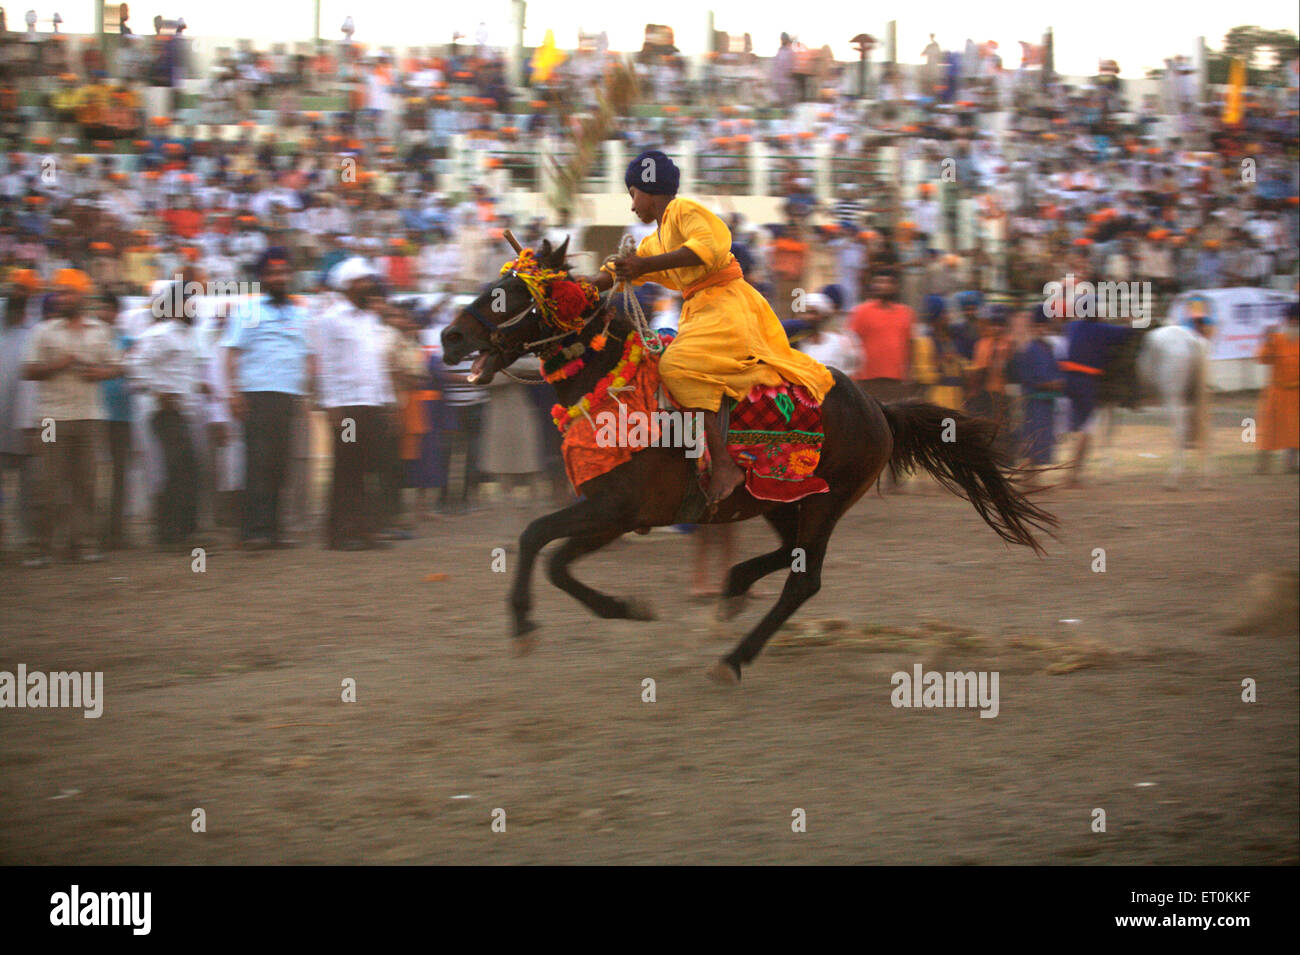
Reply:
x=493, y=329
x=496, y=340
x=545, y=310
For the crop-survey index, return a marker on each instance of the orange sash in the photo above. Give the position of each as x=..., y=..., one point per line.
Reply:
x=1075, y=366
x=724, y=275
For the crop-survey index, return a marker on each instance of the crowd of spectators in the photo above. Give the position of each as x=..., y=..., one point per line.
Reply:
x=322, y=175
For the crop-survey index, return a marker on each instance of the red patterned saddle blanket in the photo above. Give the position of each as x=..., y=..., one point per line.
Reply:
x=775, y=436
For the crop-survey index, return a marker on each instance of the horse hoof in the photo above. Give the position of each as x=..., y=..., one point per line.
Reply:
x=638, y=609
x=522, y=646
x=723, y=674
x=729, y=607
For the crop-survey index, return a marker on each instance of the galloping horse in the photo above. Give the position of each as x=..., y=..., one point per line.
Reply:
x=862, y=438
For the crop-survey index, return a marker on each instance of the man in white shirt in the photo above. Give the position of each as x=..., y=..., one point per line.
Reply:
x=225, y=431
x=166, y=363
x=22, y=313
x=822, y=341
x=354, y=387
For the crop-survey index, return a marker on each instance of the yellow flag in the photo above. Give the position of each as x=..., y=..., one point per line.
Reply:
x=546, y=58
x=1236, y=80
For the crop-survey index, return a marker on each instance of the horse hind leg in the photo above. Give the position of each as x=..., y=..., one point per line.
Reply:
x=602, y=605
x=817, y=518
x=785, y=520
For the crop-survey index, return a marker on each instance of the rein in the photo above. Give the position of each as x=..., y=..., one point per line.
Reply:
x=631, y=305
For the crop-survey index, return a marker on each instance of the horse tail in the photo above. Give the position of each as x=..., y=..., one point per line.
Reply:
x=959, y=451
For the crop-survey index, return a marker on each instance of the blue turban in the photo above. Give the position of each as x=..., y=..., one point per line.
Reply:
x=970, y=299
x=653, y=172
x=934, y=307
x=836, y=294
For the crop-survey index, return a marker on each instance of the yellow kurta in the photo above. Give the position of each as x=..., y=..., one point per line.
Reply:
x=937, y=376
x=728, y=339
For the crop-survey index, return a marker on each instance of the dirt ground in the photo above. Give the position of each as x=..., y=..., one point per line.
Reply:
x=223, y=692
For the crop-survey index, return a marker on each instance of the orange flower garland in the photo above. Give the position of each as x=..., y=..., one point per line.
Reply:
x=622, y=373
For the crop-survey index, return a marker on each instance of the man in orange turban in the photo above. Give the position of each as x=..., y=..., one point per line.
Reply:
x=68, y=356
x=72, y=281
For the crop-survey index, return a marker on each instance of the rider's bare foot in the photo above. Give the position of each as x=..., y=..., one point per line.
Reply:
x=724, y=481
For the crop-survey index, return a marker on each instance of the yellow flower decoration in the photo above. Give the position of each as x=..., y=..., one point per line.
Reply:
x=804, y=462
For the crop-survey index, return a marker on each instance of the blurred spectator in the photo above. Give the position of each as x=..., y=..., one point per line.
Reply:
x=1279, y=404
x=884, y=331
x=268, y=365
x=986, y=375
x=1035, y=369
x=167, y=364
x=512, y=442
x=822, y=339
x=117, y=401
x=464, y=407
x=938, y=363
x=68, y=356
x=18, y=441
x=356, y=390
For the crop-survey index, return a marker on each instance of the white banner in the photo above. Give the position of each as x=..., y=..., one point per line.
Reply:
x=1240, y=317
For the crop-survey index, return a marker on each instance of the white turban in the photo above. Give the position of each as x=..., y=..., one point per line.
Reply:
x=817, y=302
x=349, y=270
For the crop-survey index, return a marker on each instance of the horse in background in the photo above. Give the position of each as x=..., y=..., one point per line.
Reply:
x=1167, y=365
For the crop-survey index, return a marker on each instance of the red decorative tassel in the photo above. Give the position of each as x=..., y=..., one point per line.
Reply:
x=569, y=298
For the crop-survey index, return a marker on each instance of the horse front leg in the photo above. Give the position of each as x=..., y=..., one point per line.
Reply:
x=591, y=517
x=602, y=605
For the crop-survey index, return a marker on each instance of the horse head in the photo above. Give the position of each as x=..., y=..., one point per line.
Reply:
x=505, y=320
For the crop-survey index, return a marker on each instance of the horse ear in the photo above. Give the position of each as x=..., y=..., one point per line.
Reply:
x=544, y=251
x=558, y=256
